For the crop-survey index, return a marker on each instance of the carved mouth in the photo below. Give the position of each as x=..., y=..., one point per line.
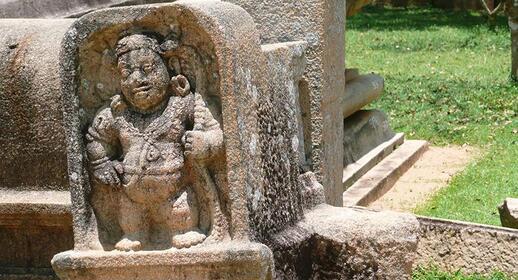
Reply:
x=142, y=89
x=141, y=94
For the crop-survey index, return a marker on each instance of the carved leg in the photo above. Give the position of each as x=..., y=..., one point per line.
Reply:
x=219, y=225
x=181, y=215
x=132, y=219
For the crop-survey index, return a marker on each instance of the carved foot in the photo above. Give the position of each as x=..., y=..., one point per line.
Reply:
x=188, y=239
x=128, y=245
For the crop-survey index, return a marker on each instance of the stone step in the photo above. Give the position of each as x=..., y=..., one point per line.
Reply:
x=45, y=208
x=356, y=170
x=378, y=180
x=34, y=226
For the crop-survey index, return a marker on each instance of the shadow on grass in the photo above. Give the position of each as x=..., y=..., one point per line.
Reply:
x=373, y=18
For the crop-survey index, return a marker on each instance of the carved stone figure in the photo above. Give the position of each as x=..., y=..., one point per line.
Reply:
x=151, y=144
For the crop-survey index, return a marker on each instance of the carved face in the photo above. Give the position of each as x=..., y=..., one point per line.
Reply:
x=144, y=79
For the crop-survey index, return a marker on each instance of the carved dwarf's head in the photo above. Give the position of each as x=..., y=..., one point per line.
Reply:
x=144, y=75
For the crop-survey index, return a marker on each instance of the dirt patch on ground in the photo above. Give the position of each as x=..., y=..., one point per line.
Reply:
x=430, y=173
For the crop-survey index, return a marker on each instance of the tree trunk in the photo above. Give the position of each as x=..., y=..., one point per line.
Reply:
x=491, y=4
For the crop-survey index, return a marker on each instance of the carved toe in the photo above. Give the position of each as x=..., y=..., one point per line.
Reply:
x=128, y=245
x=188, y=239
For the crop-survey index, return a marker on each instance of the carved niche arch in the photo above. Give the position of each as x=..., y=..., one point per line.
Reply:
x=224, y=42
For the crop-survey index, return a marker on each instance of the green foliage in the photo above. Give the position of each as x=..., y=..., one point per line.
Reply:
x=447, y=81
x=447, y=75
x=433, y=273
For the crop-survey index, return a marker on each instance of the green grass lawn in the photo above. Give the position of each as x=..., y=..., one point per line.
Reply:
x=432, y=273
x=447, y=81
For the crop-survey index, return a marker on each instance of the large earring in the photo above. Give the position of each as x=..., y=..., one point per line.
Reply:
x=180, y=85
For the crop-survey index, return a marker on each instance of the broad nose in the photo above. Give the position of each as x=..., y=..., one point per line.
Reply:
x=139, y=77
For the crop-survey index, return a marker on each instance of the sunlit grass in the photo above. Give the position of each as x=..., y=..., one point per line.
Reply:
x=447, y=81
x=433, y=273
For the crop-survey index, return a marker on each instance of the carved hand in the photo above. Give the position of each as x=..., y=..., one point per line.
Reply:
x=197, y=145
x=108, y=173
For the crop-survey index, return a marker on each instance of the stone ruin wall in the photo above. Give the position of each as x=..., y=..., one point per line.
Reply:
x=474, y=248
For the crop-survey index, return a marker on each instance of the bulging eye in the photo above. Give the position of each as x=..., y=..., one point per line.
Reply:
x=147, y=68
x=125, y=73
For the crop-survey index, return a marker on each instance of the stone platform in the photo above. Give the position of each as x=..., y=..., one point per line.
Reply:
x=232, y=260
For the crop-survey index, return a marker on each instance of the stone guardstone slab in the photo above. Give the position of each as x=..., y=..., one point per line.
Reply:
x=182, y=142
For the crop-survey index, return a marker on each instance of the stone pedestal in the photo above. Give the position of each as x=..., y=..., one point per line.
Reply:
x=232, y=260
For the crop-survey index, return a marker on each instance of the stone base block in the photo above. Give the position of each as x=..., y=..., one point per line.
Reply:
x=222, y=261
x=358, y=243
x=347, y=243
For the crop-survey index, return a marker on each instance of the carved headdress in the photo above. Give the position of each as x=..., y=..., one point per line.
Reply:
x=136, y=42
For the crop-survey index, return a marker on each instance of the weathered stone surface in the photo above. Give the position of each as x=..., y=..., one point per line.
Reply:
x=473, y=247
x=275, y=122
x=364, y=131
x=356, y=170
x=57, y=9
x=312, y=191
x=27, y=277
x=156, y=137
x=509, y=213
x=225, y=261
x=278, y=204
x=46, y=208
x=27, y=251
x=347, y=243
x=253, y=92
x=292, y=253
x=198, y=24
x=321, y=23
x=32, y=141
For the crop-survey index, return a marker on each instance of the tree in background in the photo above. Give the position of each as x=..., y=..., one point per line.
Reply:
x=354, y=6
x=491, y=10
x=511, y=8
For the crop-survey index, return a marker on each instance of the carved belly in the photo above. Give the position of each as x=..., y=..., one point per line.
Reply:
x=152, y=171
x=150, y=189
x=154, y=159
